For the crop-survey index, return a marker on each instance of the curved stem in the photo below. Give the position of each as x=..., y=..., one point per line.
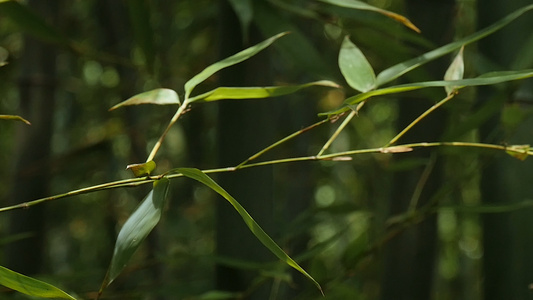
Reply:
x=339, y=156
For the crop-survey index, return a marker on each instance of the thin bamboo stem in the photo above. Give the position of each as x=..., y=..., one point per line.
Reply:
x=338, y=156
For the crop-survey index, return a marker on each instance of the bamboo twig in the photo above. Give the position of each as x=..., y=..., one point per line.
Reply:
x=338, y=156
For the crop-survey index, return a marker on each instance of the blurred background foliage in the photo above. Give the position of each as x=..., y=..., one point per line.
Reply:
x=356, y=226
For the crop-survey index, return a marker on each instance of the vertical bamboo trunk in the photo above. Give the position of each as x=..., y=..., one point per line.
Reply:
x=410, y=257
x=31, y=177
x=507, y=237
x=244, y=127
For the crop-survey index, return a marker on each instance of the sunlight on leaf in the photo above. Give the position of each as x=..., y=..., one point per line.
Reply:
x=355, y=67
x=257, y=92
x=485, y=79
x=16, y=118
x=137, y=228
x=520, y=152
x=398, y=70
x=140, y=170
x=230, y=61
x=455, y=71
x=157, y=96
x=261, y=235
x=396, y=149
x=364, y=6
x=30, y=286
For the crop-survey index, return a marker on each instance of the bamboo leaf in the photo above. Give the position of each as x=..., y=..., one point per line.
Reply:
x=137, y=228
x=257, y=92
x=261, y=235
x=30, y=286
x=364, y=6
x=157, y=96
x=16, y=118
x=520, y=152
x=355, y=68
x=144, y=169
x=227, y=62
x=455, y=71
x=398, y=70
x=485, y=79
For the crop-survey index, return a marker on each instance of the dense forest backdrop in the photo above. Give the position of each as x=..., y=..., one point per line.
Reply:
x=436, y=223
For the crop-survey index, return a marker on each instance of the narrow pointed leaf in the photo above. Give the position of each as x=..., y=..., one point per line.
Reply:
x=157, y=96
x=455, y=71
x=261, y=235
x=16, y=118
x=485, y=79
x=230, y=61
x=30, y=286
x=137, y=228
x=257, y=92
x=364, y=6
x=398, y=70
x=355, y=68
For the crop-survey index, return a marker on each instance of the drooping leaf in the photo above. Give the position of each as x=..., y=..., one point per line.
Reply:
x=261, y=235
x=229, y=61
x=398, y=70
x=257, y=92
x=140, y=170
x=485, y=79
x=137, y=228
x=31, y=23
x=364, y=6
x=355, y=67
x=157, y=96
x=455, y=71
x=16, y=118
x=30, y=286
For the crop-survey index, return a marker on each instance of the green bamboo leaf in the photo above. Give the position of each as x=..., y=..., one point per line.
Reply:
x=355, y=68
x=485, y=79
x=227, y=62
x=157, y=96
x=364, y=6
x=144, y=169
x=520, y=152
x=30, y=286
x=257, y=92
x=398, y=70
x=261, y=235
x=29, y=22
x=455, y=71
x=16, y=118
x=137, y=228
